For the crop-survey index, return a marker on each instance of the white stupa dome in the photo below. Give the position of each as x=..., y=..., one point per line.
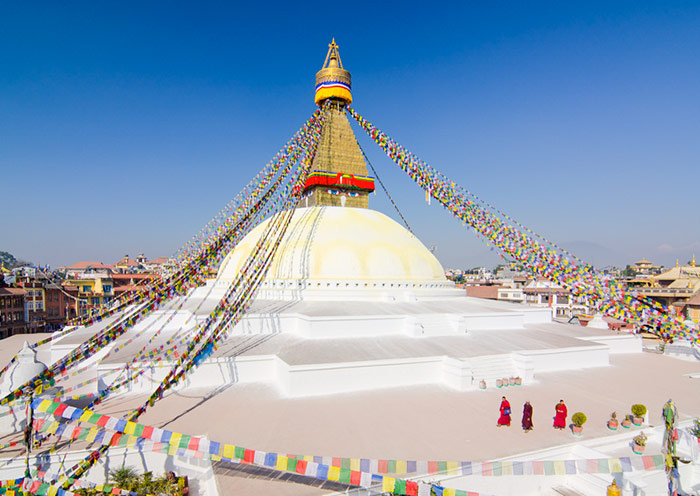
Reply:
x=26, y=368
x=352, y=246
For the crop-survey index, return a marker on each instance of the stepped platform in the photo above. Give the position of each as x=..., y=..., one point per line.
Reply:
x=308, y=348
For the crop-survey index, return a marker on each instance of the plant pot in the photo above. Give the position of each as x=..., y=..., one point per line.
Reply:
x=482, y=385
x=626, y=424
x=511, y=381
x=518, y=381
x=613, y=424
x=576, y=430
x=637, y=448
x=499, y=383
x=637, y=420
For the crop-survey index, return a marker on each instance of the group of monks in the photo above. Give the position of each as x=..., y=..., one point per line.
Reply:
x=559, y=418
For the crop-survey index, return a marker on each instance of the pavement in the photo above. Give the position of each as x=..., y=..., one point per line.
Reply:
x=421, y=422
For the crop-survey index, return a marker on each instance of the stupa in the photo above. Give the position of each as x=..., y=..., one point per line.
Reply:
x=353, y=301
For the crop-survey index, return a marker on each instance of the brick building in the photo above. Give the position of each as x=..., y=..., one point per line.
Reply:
x=11, y=311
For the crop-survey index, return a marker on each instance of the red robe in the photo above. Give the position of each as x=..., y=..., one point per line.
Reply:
x=527, y=416
x=504, y=419
x=560, y=417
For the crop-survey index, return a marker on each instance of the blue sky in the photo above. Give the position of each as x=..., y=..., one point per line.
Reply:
x=124, y=127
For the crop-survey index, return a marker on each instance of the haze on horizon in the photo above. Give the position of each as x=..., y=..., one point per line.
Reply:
x=125, y=128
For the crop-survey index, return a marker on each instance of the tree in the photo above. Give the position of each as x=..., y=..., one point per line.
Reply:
x=8, y=259
x=629, y=272
x=11, y=262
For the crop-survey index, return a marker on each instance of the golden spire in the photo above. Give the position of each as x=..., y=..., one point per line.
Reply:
x=338, y=174
x=677, y=264
x=332, y=81
x=692, y=262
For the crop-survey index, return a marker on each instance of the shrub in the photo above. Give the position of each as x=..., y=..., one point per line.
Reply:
x=142, y=485
x=640, y=439
x=695, y=429
x=124, y=477
x=613, y=416
x=639, y=410
x=579, y=419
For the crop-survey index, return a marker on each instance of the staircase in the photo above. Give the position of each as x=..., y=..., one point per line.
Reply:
x=493, y=367
x=438, y=324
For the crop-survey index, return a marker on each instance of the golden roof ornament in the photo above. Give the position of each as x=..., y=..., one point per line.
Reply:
x=692, y=262
x=332, y=81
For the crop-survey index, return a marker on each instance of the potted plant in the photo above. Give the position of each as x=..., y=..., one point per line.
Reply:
x=482, y=384
x=499, y=383
x=626, y=423
x=578, y=419
x=613, y=423
x=695, y=430
x=640, y=442
x=518, y=381
x=638, y=411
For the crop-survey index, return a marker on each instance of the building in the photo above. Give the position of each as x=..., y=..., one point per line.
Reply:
x=496, y=291
x=79, y=268
x=34, y=303
x=157, y=265
x=692, y=308
x=123, y=283
x=673, y=287
x=644, y=267
x=129, y=265
x=542, y=293
x=94, y=289
x=12, y=313
x=61, y=303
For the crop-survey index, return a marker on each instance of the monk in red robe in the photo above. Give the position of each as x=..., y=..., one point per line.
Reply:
x=504, y=419
x=560, y=417
x=527, y=417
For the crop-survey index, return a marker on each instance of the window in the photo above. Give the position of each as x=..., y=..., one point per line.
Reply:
x=107, y=288
x=95, y=300
x=86, y=289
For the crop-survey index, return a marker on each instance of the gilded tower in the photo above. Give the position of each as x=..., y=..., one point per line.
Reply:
x=338, y=174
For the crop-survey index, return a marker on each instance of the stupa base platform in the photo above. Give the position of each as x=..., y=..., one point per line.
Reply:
x=299, y=366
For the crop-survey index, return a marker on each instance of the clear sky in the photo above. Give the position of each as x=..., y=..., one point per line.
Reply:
x=125, y=127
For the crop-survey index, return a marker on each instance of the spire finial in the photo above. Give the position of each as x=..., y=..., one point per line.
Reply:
x=332, y=81
x=692, y=262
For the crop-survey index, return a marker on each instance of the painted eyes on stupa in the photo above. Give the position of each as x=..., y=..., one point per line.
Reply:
x=351, y=194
